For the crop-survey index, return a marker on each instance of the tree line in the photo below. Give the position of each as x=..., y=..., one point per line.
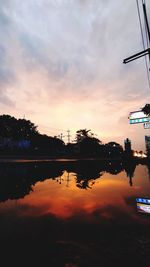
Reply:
x=25, y=175
x=21, y=135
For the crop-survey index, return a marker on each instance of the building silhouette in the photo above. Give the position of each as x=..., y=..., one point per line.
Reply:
x=147, y=144
x=127, y=147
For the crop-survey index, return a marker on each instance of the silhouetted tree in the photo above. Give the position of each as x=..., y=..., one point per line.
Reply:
x=44, y=143
x=87, y=143
x=114, y=167
x=90, y=146
x=25, y=175
x=16, y=129
x=8, y=126
x=113, y=149
x=26, y=129
x=146, y=109
x=83, y=133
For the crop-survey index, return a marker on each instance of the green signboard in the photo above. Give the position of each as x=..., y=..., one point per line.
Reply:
x=138, y=117
x=133, y=121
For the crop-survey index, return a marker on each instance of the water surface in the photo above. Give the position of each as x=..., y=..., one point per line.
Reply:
x=79, y=213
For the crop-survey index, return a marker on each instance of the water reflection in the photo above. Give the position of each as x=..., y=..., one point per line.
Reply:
x=58, y=224
x=17, y=180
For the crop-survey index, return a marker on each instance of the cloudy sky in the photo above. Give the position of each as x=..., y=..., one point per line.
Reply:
x=61, y=66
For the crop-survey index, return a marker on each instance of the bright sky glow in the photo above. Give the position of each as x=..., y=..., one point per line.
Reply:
x=61, y=66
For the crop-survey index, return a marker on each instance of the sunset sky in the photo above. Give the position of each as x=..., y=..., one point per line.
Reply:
x=61, y=66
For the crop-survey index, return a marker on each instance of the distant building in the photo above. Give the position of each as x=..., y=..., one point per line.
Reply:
x=147, y=144
x=127, y=145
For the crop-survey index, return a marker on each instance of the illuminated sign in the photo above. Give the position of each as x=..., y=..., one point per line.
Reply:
x=146, y=125
x=138, y=117
x=143, y=205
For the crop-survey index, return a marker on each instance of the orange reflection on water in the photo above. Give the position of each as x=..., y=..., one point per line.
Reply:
x=108, y=197
x=108, y=193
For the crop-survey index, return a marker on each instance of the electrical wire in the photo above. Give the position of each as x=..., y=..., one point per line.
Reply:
x=140, y=21
x=142, y=34
x=147, y=38
x=148, y=44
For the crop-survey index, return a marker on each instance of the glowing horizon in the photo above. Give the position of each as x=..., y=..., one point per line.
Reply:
x=61, y=67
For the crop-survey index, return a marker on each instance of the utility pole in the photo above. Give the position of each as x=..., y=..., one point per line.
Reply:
x=146, y=47
x=136, y=56
x=61, y=136
x=146, y=22
x=68, y=135
x=145, y=51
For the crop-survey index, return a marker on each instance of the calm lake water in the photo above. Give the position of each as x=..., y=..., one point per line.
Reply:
x=73, y=214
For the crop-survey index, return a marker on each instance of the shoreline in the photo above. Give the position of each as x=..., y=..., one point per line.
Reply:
x=47, y=158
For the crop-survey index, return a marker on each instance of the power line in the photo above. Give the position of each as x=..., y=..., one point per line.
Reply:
x=147, y=32
x=140, y=23
x=142, y=34
x=147, y=69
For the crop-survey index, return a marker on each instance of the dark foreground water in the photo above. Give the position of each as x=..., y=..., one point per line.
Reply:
x=73, y=214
